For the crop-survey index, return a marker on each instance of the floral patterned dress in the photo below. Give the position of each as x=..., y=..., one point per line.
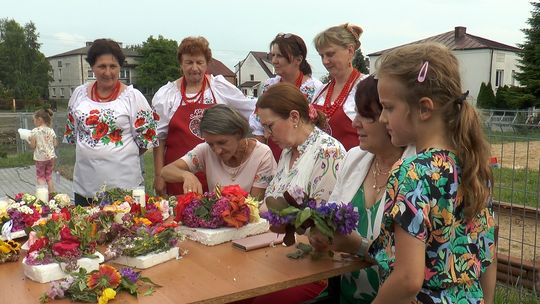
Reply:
x=424, y=199
x=315, y=170
x=108, y=136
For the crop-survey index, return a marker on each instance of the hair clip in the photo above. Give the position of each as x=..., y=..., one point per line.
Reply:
x=283, y=35
x=423, y=72
x=462, y=98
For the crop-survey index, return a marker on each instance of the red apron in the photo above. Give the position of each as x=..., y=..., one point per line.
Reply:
x=340, y=127
x=183, y=136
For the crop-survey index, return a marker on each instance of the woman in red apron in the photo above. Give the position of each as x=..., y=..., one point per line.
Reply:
x=337, y=46
x=181, y=104
x=288, y=56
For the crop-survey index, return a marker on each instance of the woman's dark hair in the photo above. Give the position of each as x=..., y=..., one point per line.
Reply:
x=366, y=98
x=46, y=115
x=105, y=47
x=283, y=97
x=290, y=46
x=224, y=120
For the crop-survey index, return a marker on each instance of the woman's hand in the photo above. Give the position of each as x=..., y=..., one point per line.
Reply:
x=191, y=183
x=349, y=243
x=319, y=241
x=159, y=185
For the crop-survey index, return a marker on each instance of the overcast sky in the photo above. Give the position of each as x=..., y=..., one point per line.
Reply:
x=235, y=27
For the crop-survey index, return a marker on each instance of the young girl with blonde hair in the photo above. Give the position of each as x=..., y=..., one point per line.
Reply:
x=43, y=140
x=437, y=241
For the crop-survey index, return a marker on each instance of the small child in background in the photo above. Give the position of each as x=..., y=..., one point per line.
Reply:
x=43, y=141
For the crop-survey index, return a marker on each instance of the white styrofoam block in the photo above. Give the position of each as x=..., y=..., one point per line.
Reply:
x=14, y=235
x=149, y=260
x=211, y=237
x=53, y=271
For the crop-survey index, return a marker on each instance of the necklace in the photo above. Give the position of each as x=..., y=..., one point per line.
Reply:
x=234, y=174
x=329, y=109
x=94, y=94
x=376, y=171
x=197, y=98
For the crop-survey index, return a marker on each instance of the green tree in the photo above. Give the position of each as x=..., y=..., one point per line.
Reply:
x=529, y=76
x=359, y=62
x=486, y=97
x=158, y=64
x=24, y=70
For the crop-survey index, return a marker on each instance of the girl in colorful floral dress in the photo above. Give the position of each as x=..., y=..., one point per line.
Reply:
x=111, y=125
x=436, y=243
x=437, y=238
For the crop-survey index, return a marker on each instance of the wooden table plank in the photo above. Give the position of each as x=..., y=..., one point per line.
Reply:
x=217, y=274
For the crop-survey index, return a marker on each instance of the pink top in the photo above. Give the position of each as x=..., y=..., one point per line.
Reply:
x=257, y=170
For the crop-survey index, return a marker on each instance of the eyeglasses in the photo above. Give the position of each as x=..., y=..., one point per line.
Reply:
x=268, y=127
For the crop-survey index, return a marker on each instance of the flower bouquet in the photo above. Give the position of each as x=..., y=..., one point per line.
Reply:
x=299, y=212
x=142, y=244
x=62, y=244
x=9, y=251
x=19, y=213
x=99, y=286
x=212, y=218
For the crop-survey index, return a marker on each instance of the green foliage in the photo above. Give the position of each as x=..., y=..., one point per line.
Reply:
x=486, y=97
x=359, y=62
x=24, y=70
x=529, y=76
x=158, y=64
x=514, y=98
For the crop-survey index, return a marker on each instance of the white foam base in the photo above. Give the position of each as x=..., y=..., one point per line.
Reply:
x=53, y=271
x=211, y=237
x=149, y=260
x=14, y=235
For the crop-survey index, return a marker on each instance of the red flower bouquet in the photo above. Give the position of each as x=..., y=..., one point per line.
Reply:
x=229, y=206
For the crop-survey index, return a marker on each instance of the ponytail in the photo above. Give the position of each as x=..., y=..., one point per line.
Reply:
x=46, y=114
x=473, y=152
x=305, y=68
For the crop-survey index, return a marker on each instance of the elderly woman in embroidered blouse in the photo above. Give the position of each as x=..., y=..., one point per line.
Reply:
x=288, y=53
x=111, y=125
x=337, y=46
x=310, y=157
x=181, y=103
x=362, y=180
x=227, y=156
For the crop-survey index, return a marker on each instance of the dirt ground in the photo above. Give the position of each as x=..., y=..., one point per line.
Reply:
x=526, y=154
x=517, y=236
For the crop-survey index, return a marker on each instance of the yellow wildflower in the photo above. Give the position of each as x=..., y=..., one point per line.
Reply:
x=253, y=205
x=109, y=293
x=142, y=220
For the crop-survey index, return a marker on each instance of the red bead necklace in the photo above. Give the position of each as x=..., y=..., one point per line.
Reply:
x=94, y=94
x=197, y=98
x=329, y=109
x=298, y=81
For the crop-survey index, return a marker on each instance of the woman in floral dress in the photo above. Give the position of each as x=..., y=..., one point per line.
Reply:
x=111, y=125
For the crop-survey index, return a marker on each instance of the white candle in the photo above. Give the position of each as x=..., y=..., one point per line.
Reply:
x=42, y=193
x=139, y=196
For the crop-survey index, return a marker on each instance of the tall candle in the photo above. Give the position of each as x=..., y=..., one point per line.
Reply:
x=42, y=193
x=139, y=196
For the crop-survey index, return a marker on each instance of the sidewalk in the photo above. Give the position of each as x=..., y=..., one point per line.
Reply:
x=23, y=179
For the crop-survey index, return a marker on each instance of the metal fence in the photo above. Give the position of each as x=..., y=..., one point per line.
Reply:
x=515, y=140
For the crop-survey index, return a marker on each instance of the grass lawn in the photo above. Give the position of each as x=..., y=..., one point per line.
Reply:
x=510, y=295
x=519, y=186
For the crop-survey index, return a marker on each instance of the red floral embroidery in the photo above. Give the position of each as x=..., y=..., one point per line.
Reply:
x=94, y=111
x=101, y=130
x=116, y=135
x=71, y=119
x=139, y=122
x=149, y=135
x=155, y=116
x=92, y=120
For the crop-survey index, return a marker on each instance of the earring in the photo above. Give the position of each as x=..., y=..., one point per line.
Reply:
x=295, y=126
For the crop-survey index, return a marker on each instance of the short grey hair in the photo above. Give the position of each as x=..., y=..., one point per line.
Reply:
x=224, y=120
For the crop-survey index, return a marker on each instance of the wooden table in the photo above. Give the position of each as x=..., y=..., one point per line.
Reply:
x=217, y=274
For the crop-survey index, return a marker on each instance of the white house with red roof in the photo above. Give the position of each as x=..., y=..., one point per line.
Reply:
x=480, y=59
x=252, y=71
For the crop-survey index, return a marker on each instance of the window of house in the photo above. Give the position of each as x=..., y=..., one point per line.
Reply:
x=59, y=74
x=59, y=63
x=124, y=73
x=54, y=92
x=91, y=74
x=499, y=78
x=254, y=92
x=61, y=92
x=513, y=77
x=72, y=89
x=244, y=91
x=251, y=77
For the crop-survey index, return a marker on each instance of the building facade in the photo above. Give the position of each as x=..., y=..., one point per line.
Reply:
x=252, y=71
x=480, y=60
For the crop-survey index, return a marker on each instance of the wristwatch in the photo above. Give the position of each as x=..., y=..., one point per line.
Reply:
x=364, y=246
